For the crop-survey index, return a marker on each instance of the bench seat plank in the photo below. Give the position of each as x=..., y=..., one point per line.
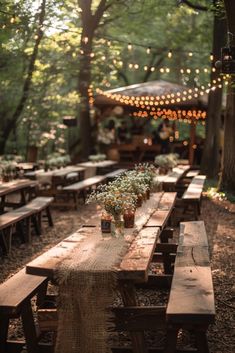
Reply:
x=115, y=173
x=191, y=298
x=85, y=183
x=18, y=289
x=39, y=203
x=194, y=189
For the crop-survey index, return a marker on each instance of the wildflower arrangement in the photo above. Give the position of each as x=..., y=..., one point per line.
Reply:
x=57, y=161
x=97, y=157
x=112, y=199
x=122, y=194
x=167, y=161
x=147, y=172
x=8, y=170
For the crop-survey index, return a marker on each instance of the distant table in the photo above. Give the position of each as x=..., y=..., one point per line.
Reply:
x=173, y=177
x=57, y=176
x=93, y=168
x=22, y=186
x=27, y=166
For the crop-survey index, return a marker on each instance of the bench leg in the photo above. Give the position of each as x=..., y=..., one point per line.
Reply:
x=4, y=324
x=35, y=224
x=5, y=239
x=28, y=230
x=127, y=290
x=39, y=219
x=171, y=340
x=48, y=213
x=29, y=328
x=166, y=234
x=201, y=341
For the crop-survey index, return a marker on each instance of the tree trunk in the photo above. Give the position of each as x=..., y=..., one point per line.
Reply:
x=10, y=122
x=210, y=158
x=90, y=23
x=84, y=81
x=228, y=172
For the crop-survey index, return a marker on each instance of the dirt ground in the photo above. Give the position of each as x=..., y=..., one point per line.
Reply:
x=219, y=217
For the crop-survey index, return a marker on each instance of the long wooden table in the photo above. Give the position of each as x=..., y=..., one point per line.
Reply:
x=134, y=265
x=57, y=176
x=96, y=168
x=171, y=180
x=22, y=186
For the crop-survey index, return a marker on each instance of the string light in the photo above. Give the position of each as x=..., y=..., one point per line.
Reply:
x=148, y=50
x=129, y=46
x=169, y=54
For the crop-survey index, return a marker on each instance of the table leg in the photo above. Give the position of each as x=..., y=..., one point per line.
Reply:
x=2, y=204
x=127, y=290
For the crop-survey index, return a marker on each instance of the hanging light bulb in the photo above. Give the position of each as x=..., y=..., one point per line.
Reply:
x=190, y=54
x=129, y=46
x=148, y=50
x=169, y=54
x=211, y=57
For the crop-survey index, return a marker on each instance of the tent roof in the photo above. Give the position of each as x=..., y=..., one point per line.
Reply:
x=153, y=88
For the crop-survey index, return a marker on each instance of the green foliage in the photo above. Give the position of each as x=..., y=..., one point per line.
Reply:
x=54, y=90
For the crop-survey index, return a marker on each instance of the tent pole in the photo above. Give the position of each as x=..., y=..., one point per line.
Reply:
x=192, y=142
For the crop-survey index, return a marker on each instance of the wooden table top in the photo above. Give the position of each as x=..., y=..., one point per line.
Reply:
x=101, y=164
x=134, y=265
x=177, y=172
x=60, y=173
x=16, y=185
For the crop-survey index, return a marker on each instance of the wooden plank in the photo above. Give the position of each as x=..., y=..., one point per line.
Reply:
x=85, y=183
x=115, y=173
x=45, y=264
x=136, y=262
x=167, y=201
x=39, y=203
x=160, y=217
x=16, y=185
x=192, y=297
x=176, y=174
x=102, y=164
x=18, y=289
x=195, y=188
x=139, y=318
x=192, y=173
x=193, y=234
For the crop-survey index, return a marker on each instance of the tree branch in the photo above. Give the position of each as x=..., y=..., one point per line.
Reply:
x=193, y=6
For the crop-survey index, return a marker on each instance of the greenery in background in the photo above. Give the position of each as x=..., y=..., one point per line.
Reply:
x=212, y=191
x=53, y=92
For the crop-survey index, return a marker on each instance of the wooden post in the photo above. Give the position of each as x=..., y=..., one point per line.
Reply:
x=192, y=142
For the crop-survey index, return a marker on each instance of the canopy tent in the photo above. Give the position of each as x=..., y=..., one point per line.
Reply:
x=194, y=97
x=158, y=99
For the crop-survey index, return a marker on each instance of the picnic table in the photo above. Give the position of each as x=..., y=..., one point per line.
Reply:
x=171, y=180
x=97, y=168
x=24, y=187
x=131, y=256
x=56, y=176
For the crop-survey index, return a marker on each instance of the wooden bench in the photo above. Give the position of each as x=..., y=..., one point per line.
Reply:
x=15, y=301
x=191, y=198
x=25, y=214
x=115, y=174
x=191, y=303
x=81, y=187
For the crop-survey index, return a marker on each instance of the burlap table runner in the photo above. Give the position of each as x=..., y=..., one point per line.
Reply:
x=87, y=281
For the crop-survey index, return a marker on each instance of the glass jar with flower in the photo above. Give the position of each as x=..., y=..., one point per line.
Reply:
x=114, y=202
